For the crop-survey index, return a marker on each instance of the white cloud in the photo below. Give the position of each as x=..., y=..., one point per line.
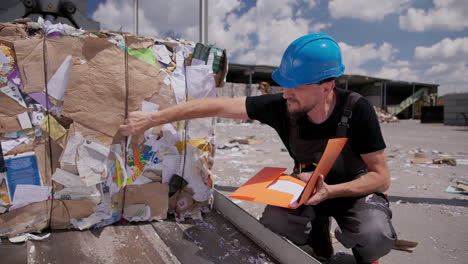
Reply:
x=260, y=35
x=446, y=15
x=354, y=57
x=156, y=18
x=446, y=63
x=447, y=50
x=369, y=10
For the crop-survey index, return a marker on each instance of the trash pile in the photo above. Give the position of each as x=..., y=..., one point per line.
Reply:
x=64, y=94
x=385, y=117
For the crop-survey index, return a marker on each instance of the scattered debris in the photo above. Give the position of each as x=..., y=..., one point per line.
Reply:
x=405, y=245
x=420, y=158
x=457, y=190
x=249, y=140
x=385, y=117
x=448, y=161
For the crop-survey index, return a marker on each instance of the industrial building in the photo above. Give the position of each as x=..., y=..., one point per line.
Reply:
x=401, y=98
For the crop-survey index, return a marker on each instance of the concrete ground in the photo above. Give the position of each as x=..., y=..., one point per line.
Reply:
x=422, y=211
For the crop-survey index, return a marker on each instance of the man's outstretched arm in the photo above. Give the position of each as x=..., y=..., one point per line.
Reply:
x=137, y=122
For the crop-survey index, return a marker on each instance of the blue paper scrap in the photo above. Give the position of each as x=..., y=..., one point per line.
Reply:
x=21, y=170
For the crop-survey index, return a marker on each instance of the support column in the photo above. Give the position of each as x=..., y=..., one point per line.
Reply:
x=135, y=17
x=412, y=106
x=203, y=22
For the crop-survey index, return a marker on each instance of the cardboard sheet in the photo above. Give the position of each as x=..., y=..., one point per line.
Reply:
x=96, y=87
x=155, y=195
x=30, y=60
x=257, y=188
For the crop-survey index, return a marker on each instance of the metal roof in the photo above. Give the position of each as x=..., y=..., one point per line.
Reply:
x=239, y=73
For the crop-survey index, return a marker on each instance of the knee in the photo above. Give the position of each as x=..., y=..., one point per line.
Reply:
x=377, y=235
x=286, y=222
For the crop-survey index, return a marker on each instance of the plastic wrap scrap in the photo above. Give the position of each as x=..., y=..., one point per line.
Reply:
x=63, y=96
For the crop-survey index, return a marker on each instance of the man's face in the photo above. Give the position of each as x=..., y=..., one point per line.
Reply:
x=302, y=99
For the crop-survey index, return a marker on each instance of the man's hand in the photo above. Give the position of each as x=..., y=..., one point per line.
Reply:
x=322, y=190
x=321, y=193
x=136, y=123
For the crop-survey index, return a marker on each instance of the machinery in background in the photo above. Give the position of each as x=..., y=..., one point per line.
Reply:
x=71, y=12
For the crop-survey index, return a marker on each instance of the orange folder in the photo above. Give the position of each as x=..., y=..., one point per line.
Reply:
x=271, y=186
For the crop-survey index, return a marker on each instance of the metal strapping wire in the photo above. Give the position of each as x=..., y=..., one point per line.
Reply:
x=49, y=145
x=125, y=117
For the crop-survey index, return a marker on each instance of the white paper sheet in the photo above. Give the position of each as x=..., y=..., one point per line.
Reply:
x=84, y=223
x=57, y=85
x=162, y=54
x=91, y=163
x=68, y=158
x=137, y=212
x=26, y=194
x=178, y=76
x=90, y=193
x=200, y=81
x=193, y=173
x=24, y=120
x=11, y=144
x=67, y=179
x=64, y=29
x=141, y=180
x=171, y=166
x=13, y=92
x=288, y=187
x=149, y=107
x=25, y=237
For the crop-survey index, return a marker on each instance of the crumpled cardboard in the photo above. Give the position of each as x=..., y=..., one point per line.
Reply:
x=12, y=31
x=9, y=123
x=64, y=210
x=35, y=217
x=31, y=218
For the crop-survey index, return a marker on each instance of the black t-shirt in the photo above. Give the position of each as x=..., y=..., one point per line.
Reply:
x=364, y=135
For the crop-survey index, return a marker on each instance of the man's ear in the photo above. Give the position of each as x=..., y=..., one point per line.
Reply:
x=328, y=87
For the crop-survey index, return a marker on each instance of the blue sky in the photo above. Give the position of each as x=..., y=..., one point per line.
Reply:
x=409, y=40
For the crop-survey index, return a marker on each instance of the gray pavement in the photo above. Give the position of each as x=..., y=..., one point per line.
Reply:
x=422, y=211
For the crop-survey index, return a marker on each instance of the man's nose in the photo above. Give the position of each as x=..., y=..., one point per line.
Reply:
x=287, y=93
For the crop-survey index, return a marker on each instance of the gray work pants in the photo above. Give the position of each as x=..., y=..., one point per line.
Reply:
x=364, y=224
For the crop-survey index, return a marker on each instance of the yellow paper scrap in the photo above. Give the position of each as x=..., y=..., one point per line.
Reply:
x=201, y=144
x=56, y=130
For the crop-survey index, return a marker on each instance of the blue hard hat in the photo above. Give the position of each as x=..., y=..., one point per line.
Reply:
x=309, y=59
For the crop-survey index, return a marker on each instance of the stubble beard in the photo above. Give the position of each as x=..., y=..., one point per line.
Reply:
x=300, y=112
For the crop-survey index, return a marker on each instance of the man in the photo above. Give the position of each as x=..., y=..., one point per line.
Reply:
x=309, y=112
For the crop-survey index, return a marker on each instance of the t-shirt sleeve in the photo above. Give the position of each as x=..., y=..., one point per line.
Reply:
x=268, y=109
x=365, y=136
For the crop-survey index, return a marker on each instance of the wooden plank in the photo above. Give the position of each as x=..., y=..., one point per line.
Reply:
x=211, y=240
x=277, y=246
x=112, y=244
